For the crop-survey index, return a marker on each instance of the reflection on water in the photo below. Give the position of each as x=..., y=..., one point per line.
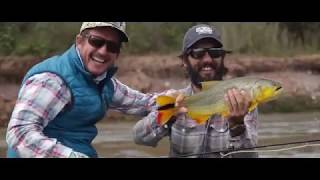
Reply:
x=115, y=138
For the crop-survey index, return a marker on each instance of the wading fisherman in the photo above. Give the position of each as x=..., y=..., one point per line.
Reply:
x=203, y=58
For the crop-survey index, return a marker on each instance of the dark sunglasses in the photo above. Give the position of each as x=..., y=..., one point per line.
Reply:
x=98, y=42
x=199, y=53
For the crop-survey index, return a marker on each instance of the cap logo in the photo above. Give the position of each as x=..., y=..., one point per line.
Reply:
x=204, y=30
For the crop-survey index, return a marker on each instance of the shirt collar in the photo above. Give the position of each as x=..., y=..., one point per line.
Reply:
x=188, y=90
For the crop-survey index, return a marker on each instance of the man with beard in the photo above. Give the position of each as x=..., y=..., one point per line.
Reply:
x=203, y=58
x=63, y=97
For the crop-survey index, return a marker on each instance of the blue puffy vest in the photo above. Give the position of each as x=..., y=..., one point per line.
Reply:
x=75, y=126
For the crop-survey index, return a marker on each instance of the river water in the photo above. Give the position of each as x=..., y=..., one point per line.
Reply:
x=115, y=138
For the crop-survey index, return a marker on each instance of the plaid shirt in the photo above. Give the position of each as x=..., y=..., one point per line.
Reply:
x=41, y=98
x=186, y=137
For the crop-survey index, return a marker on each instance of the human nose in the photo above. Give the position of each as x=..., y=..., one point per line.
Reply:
x=207, y=57
x=103, y=49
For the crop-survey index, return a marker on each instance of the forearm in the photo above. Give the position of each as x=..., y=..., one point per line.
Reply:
x=248, y=138
x=148, y=132
x=130, y=101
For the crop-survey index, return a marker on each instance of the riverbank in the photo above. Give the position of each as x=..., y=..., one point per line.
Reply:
x=152, y=73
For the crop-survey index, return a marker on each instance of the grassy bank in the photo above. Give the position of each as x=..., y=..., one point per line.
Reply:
x=43, y=38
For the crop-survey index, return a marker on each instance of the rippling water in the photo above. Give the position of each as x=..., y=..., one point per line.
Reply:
x=115, y=138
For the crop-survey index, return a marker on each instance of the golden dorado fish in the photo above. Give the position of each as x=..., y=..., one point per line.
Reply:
x=201, y=106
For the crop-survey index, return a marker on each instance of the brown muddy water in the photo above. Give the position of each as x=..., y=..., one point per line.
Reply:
x=115, y=138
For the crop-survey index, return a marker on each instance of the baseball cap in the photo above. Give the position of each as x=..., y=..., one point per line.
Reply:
x=198, y=32
x=120, y=26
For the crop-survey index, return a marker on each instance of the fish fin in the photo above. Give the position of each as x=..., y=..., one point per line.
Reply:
x=253, y=105
x=165, y=100
x=208, y=84
x=166, y=108
x=199, y=119
x=165, y=115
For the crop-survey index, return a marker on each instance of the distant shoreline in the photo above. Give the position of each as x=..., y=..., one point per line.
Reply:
x=154, y=73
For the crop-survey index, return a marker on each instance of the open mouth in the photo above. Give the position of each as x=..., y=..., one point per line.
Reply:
x=206, y=69
x=98, y=60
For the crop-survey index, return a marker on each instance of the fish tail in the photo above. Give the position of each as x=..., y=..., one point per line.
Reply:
x=166, y=108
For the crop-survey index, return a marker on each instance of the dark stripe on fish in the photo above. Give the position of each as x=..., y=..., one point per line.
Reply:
x=165, y=107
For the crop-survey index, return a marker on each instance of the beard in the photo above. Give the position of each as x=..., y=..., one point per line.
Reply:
x=196, y=78
x=208, y=72
x=217, y=72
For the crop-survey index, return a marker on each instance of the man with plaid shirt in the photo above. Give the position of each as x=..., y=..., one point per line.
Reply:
x=63, y=97
x=203, y=58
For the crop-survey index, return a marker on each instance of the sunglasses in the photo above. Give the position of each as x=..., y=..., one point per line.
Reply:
x=199, y=53
x=98, y=42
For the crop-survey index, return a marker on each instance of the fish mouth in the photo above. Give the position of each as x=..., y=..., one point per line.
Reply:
x=165, y=107
x=279, y=88
x=277, y=93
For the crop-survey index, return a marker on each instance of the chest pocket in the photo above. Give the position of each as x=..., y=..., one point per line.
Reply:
x=186, y=136
x=218, y=134
x=189, y=137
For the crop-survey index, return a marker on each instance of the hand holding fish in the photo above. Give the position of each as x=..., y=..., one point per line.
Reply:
x=180, y=104
x=238, y=102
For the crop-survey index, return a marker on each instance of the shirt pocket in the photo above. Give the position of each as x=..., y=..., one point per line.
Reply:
x=186, y=137
x=218, y=141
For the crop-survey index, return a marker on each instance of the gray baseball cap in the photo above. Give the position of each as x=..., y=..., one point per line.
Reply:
x=120, y=26
x=198, y=32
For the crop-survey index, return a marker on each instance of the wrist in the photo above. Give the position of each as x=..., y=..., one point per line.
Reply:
x=237, y=129
x=235, y=121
